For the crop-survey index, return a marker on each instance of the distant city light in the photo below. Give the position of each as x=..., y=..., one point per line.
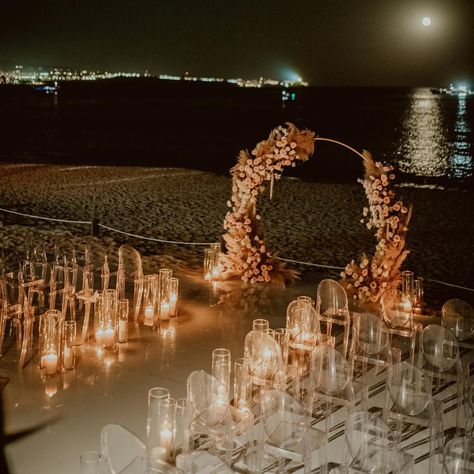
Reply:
x=45, y=77
x=426, y=21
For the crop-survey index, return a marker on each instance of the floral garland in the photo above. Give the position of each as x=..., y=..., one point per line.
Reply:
x=369, y=279
x=247, y=255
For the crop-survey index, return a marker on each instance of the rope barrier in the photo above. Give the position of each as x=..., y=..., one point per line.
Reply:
x=178, y=242
x=68, y=221
x=342, y=268
x=309, y=264
x=152, y=239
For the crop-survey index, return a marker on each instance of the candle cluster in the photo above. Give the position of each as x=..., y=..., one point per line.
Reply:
x=213, y=262
x=160, y=297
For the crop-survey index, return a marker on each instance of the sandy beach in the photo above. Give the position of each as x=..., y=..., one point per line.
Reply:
x=306, y=221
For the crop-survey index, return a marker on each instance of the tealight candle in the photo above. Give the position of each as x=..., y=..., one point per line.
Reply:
x=166, y=440
x=164, y=311
x=158, y=452
x=50, y=363
x=98, y=336
x=68, y=357
x=149, y=315
x=108, y=337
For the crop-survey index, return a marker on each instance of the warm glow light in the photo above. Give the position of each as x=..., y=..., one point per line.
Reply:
x=426, y=21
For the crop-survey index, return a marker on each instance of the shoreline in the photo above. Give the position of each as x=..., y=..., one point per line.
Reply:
x=305, y=221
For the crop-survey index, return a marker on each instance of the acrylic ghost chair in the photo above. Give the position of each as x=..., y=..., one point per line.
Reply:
x=209, y=416
x=264, y=357
x=397, y=313
x=458, y=316
x=371, y=446
x=409, y=405
x=289, y=437
x=11, y=293
x=334, y=387
x=130, y=269
x=332, y=309
x=370, y=344
x=442, y=362
x=459, y=455
x=122, y=450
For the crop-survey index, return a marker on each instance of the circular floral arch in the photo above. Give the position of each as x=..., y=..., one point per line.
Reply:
x=248, y=257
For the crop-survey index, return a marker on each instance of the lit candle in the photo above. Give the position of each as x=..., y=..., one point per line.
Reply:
x=166, y=440
x=164, y=311
x=173, y=301
x=98, y=336
x=122, y=333
x=207, y=276
x=108, y=337
x=158, y=452
x=149, y=315
x=68, y=357
x=50, y=363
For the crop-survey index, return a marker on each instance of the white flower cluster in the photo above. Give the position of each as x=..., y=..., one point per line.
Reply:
x=368, y=280
x=247, y=255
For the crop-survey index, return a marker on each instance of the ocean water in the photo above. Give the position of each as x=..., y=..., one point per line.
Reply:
x=427, y=136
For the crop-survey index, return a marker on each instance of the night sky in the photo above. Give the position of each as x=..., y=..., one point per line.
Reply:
x=327, y=42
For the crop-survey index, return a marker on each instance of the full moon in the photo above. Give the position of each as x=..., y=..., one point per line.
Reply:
x=426, y=21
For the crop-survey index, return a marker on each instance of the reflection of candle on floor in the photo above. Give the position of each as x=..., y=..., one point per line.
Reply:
x=68, y=357
x=108, y=337
x=122, y=333
x=164, y=311
x=149, y=315
x=50, y=363
x=173, y=301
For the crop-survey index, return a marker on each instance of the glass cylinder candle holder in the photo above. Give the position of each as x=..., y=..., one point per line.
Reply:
x=282, y=336
x=302, y=324
x=221, y=365
x=122, y=317
x=69, y=330
x=161, y=439
x=174, y=285
x=165, y=275
x=242, y=385
x=260, y=325
x=207, y=264
x=50, y=341
x=98, y=310
x=180, y=427
x=155, y=395
x=105, y=333
x=418, y=295
x=150, y=297
x=407, y=284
